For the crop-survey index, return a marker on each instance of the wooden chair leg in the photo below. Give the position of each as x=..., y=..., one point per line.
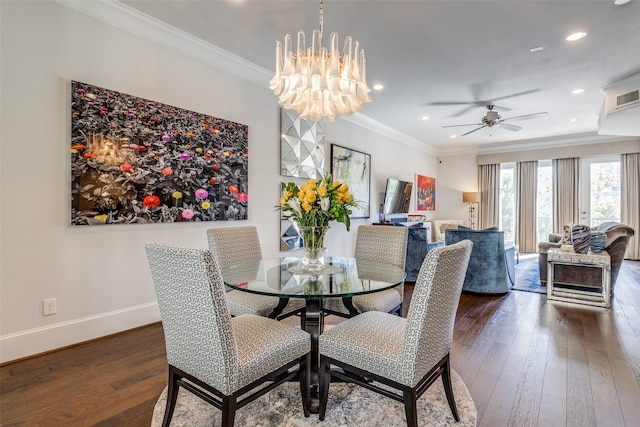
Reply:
x=324, y=378
x=448, y=388
x=410, y=407
x=228, y=410
x=172, y=397
x=305, y=375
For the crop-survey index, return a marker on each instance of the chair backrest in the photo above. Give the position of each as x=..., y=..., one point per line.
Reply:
x=232, y=245
x=382, y=243
x=194, y=312
x=433, y=308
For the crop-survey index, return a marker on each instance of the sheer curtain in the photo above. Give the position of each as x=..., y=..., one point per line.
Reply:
x=489, y=187
x=630, y=204
x=566, y=192
x=526, y=189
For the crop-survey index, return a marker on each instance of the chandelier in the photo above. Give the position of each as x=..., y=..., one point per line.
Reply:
x=318, y=82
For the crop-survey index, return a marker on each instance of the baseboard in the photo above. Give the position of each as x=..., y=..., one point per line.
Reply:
x=39, y=340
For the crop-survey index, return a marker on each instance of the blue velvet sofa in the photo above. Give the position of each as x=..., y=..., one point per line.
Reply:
x=491, y=266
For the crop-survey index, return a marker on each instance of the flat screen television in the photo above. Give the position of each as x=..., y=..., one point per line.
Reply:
x=397, y=196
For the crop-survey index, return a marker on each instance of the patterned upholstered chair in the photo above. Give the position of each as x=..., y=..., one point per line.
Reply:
x=406, y=354
x=214, y=356
x=376, y=243
x=234, y=245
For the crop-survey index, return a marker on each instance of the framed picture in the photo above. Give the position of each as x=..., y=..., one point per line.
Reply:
x=354, y=168
x=137, y=161
x=425, y=193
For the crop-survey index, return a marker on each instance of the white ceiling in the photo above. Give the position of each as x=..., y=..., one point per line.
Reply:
x=431, y=52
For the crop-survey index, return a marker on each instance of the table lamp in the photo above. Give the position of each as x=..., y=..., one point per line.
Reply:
x=471, y=197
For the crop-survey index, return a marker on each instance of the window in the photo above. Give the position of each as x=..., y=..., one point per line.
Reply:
x=604, y=193
x=507, y=201
x=544, y=201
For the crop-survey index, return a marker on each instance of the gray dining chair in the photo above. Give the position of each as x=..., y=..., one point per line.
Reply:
x=407, y=354
x=237, y=245
x=383, y=244
x=219, y=358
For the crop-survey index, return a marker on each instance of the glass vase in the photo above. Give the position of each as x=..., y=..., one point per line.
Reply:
x=313, y=245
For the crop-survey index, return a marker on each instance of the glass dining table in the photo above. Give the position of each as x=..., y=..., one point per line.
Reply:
x=339, y=277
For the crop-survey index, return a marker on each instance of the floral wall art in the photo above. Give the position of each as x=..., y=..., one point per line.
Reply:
x=139, y=161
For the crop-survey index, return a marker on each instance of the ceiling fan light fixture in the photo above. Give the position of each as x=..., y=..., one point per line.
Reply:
x=318, y=82
x=576, y=36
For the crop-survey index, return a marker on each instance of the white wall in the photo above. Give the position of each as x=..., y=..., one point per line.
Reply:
x=456, y=174
x=99, y=275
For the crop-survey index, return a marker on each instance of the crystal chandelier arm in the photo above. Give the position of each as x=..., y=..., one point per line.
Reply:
x=318, y=82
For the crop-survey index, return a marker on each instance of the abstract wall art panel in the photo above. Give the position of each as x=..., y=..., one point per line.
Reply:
x=354, y=168
x=301, y=146
x=425, y=193
x=134, y=160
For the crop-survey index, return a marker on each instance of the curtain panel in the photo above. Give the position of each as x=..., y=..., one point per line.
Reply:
x=489, y=187
x=630, y=200
x=566, y=192
x=526, y=189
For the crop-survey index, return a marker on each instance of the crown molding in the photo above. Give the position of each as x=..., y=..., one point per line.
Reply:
x=129, y=19
x=361, y=120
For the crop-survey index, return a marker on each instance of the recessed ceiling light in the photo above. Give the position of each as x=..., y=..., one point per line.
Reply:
x=576, y=36
x=573, y=120
x=620, y=2
x=378, y=87
x=425, y=117
x=536, y=49
x=577, y=91
x=453, y=136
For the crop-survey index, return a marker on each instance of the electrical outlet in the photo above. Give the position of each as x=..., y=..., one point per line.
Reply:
x=49, y=307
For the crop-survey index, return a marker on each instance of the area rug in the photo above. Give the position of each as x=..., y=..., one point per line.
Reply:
x=528, y=276
x=349, y=405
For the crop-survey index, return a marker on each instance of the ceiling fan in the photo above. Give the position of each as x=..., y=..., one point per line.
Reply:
x=493, y=119
x=481, y=103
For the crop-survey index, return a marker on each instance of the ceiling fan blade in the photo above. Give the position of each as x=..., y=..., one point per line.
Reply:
x=470, y=124
x=469, y=106
x=500, y=107
x=526, y=117
x=450, y=103
x=526, y=92
x=472, y=131
x=507, y=126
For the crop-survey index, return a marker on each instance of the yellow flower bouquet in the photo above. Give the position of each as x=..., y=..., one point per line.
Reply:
x=314, y=204
x=311, y=206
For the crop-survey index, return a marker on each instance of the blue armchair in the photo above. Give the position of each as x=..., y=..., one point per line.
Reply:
x=491, y=267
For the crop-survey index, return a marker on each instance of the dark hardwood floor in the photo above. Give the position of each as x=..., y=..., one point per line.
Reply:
x=526, y=362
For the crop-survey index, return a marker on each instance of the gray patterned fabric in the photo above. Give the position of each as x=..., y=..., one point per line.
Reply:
x=404, y=350
x=264, y=345
x=234, y=245
x=383, y=244
x=201, y=338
